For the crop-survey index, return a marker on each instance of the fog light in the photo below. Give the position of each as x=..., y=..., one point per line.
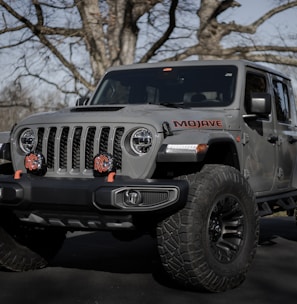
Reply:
x=35, y=163
x=132, y=197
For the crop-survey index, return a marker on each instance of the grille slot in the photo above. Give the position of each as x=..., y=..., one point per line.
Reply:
x=70, y=149
x=51, y=148
x=117, y=149
x=103, y=146
x=89, y=152
x=76, y=148
x=63, y=148
x=40, y=135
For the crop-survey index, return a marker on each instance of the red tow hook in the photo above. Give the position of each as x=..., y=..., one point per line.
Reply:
x=110, y=177
x=17, y=174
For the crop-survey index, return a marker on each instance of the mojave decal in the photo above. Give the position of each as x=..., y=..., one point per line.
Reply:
x=198, y=124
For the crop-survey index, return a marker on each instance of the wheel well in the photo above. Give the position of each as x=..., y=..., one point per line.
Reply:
x=223, y=153
x=6, y=168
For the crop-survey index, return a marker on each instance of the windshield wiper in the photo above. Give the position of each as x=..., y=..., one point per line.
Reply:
x=174, y=105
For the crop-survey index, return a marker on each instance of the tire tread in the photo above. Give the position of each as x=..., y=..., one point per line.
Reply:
x=184, y=262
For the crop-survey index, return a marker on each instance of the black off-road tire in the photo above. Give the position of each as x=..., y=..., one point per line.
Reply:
x=210, y=243
x=24, y=247
x=15, y=257
x=46, y=242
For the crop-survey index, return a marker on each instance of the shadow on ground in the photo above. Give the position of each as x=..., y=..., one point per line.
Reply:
x=95, y=268
x=100, y=251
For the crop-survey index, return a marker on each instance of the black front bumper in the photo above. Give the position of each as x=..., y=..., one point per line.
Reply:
x=54, y=201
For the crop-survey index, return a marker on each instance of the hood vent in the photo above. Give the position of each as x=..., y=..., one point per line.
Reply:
x=96, y=109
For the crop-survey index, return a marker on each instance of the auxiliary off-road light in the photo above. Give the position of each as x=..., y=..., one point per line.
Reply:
x=104, y=164
x=35, y=163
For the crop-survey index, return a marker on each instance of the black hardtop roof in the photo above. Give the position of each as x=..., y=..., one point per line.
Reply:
x=241, y=64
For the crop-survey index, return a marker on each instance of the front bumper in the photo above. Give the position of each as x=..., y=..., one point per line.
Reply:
x=54, y=201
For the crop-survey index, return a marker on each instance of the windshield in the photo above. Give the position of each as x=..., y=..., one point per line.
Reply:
x=198, y=86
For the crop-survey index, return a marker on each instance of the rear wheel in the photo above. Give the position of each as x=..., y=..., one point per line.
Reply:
x=210, y=243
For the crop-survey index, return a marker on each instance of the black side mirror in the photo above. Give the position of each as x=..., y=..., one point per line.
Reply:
x=82, y=101
x=260, y=104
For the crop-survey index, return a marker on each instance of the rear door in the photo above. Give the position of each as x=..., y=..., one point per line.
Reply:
x=286, y=128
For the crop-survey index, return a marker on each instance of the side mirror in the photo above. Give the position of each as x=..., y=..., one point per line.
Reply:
x=260, y=104
x=82, y=101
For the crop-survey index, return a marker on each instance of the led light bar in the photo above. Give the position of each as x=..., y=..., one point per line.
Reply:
x=186, y=148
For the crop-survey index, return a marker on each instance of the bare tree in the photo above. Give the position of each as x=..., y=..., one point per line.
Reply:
x=74, y=41
x=211, y=33
x=17, y=102
x=103, y=31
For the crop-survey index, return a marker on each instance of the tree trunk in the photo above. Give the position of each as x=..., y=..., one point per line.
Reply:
x=122, y=32
x=93, y=36
x=111, y=34
x=210, y=32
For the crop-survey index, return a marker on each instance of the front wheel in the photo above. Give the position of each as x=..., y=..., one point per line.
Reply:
x=24, y=247
x=211, y=242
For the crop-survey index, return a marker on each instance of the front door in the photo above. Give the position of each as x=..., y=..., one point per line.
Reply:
x=259, y=140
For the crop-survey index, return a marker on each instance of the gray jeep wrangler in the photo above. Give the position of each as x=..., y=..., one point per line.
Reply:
x=190, y=152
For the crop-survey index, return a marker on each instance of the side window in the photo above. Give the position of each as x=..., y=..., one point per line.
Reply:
x=255, y=83
x=281, y=98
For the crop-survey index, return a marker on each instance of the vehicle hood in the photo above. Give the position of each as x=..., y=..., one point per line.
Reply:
x=155, y=115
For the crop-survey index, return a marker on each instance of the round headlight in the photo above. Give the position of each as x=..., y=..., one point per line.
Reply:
x=27, y=141
x=141, y=141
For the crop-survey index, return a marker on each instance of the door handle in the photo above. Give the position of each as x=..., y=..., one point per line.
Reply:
x=292, y=139
x=272, y=138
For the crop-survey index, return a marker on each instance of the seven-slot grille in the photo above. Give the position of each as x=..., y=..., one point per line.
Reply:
x=73, y=149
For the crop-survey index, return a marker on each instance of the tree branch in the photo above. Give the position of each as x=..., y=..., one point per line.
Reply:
x=12, y=29
x=45, y=30
x=142, y=7
x=246, y=52
x=56, y=6
x=17, y=43
x=51, y=83
x=64, y=61
x=252, y=28
x=5, y=105
x=273, y=12
x=172, y=21
x=258, y=48
x=223, y=6
x=39, y=77
x=39, y=13
x=36, y=30
x=271, y=58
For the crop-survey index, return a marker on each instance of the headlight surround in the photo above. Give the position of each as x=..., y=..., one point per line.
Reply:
x=141, y=141
x=27, y=141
